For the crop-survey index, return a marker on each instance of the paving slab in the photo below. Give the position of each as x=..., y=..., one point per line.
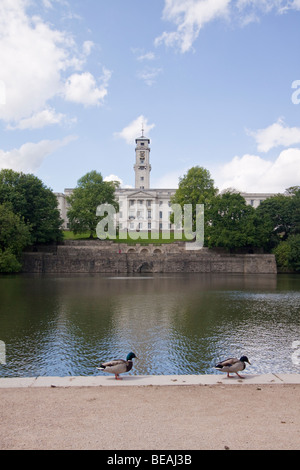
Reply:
x=148, y=380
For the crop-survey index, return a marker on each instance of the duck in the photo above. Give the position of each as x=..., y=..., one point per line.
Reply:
x=118, y=366
x=233, y=365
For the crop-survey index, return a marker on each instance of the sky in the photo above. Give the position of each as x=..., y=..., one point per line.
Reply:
x=214, y=83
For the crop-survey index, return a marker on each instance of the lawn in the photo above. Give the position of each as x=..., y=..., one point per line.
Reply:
x=144, y=237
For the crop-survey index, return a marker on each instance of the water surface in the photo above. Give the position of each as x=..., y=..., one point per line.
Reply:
x=59, y=325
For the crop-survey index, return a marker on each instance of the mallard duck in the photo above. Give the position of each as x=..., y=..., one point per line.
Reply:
x=233, y=365
x=118, y=366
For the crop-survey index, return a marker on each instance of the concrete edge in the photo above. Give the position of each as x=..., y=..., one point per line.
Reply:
x=147, y=380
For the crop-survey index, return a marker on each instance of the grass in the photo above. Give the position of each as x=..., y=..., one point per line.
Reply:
x=144, y=239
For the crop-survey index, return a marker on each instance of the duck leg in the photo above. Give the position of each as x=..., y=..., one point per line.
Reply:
x=117, y=377
x=240, y=376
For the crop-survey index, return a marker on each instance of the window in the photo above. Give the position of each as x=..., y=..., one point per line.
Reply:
x=149, y=203
x=160, y=203
x=131, y=202
x=149, y=214
x=149, y=225
x=142, y=178
x=160, y=214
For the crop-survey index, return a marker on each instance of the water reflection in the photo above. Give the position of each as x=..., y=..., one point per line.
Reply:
x=176, y=324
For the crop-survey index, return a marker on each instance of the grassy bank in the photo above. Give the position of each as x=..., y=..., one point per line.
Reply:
x=144, y=237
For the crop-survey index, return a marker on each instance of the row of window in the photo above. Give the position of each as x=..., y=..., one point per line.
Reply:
x=141, y=214
x=143, y=226
x=140, y=202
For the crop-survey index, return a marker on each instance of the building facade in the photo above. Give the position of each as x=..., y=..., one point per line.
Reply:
x=143, y=208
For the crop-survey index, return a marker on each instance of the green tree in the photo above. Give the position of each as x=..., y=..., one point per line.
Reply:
x=36, y=203
x=232, y=223
x=196, y=187
x=91, y=191
x=287, y=254
x=14, y=237
x=295, y=203
x=281, y=215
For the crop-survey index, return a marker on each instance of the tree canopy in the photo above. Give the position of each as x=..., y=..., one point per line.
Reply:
x=195, y=187
x=91, y=191
x=14, y=237
x=232, y=223
x=32, y=200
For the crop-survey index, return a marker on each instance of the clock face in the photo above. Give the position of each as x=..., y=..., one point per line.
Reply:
x=142, y=154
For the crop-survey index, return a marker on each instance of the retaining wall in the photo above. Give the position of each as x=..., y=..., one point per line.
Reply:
x=113, y=258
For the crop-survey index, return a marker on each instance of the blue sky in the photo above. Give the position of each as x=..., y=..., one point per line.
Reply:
x=216, y=83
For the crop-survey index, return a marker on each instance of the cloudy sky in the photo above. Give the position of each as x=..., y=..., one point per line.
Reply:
x=215, y=83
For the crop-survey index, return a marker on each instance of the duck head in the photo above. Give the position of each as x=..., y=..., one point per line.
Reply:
x=131, y=356
x=245, y=359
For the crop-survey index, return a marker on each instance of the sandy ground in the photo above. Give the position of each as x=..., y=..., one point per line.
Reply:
x=151, y=417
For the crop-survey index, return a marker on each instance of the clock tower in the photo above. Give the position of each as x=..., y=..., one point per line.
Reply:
x=142, y=165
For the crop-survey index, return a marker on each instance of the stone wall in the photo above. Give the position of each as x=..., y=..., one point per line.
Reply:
x=107, y=257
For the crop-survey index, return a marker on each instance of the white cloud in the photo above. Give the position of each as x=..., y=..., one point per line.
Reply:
x=252, y=173
x=133, y=130
x=149, y=75
x=146, y=56
x=116, y=178
x=40, y=119
x=190, y=16
x=295, y=5
x=87, y=47
x=83, y=89
x=35, y=59
x=266, y=6
x=2, y=93
x=29, y=157
x=275, y=135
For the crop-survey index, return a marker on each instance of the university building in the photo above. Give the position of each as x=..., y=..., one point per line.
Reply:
x=143, y=208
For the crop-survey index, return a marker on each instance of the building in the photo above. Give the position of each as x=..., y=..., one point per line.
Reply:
x=143, y=208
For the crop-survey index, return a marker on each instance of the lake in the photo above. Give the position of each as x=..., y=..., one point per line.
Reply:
x=65, y=325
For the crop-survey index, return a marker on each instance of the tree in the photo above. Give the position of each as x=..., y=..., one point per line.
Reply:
x=14, y=237
x=287, y=254
x=232, y=223
x=33, y=201
x=91, y=191
x=281, y=214
x=196, y=187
